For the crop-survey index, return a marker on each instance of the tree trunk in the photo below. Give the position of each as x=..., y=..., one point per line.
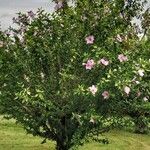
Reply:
x=61, y=146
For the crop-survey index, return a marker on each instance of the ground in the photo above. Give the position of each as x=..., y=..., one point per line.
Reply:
x=13, y=137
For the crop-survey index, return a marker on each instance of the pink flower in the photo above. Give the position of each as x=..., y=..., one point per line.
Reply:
x=1, y=43
x=92, y=120
x=93, y=89
x=90, y=64
x=58, y=6
x=22, y=29
x=122, y=58
x=135, y=81
x=104, y=62
x=7, y=33
x=83, y=18
x=31, y=14
x=141, y=72
x=145, y=99
x=105, y=94
x=15, y=20
x=119, y=38
x=127, y=90
x=89, y=39
x=42, y=75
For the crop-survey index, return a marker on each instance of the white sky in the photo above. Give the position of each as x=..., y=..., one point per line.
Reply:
x=9, y=8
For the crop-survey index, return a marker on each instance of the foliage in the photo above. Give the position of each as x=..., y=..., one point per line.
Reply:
x=71, y=74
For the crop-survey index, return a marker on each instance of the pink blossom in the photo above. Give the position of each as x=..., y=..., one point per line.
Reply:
x=58, y=6
x=135, y=81
x=104, y=62
x=42, y=75
x=121, y=16
x=26, y=78
x=145, y=99
x=119, y=38
x=22, y=29
x=83, y=18
x=127, y=90
x=92, y=120
x=106, y=10
x=15, y=20
x=93, y=89
x=122, y=58
x=31, y=14
x=7, y=33
x=1, y=43
x=89, y=39
x=141, y=72
x=90, y=64
x=105, y=94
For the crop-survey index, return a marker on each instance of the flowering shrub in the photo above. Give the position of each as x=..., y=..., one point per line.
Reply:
x=74, y=73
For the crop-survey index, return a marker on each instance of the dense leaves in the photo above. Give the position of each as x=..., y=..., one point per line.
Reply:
x=77, y=72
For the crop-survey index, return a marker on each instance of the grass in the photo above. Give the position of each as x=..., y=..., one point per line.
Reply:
x=121, y=140
x=13, y=137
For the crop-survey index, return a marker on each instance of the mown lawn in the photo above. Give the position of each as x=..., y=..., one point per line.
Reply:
x=13, y=137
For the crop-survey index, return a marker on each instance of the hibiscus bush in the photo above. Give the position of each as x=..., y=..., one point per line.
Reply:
x=139, y=107
x=75, y=73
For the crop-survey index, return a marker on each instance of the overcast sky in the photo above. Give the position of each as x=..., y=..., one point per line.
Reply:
x=8, y=9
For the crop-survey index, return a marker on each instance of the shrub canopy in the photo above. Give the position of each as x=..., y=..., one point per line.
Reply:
x=75, y=72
